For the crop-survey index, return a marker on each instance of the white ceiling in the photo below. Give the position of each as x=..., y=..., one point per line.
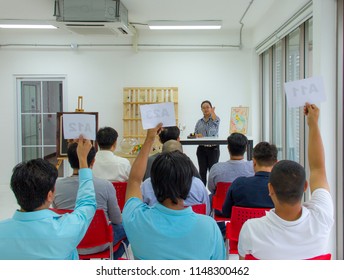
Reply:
x=142, y=11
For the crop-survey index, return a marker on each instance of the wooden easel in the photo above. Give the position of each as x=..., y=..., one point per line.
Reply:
x=80, y=104
x=79, y=109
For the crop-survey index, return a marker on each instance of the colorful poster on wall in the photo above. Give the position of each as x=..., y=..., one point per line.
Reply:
x=239, y=120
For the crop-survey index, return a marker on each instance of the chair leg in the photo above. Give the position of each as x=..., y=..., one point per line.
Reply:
x=227, y=248
x=111, y=251
x=126, y=251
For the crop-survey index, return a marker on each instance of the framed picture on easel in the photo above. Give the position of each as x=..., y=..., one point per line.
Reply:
x=61, y=141
x=239, y=120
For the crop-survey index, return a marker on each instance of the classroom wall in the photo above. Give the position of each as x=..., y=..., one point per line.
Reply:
x=277, y=15
x=324, y=65
x=100, y=75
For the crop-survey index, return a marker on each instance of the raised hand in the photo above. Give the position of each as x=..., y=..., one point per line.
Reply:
x=84, y=147
x=312, y=113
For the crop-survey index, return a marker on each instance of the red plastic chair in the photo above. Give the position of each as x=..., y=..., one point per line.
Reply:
x=321, y=257
x=239, y=216
x=121, y=188
x=61, y=211
x=219, y=198
x=199, y=208
x=99, y=233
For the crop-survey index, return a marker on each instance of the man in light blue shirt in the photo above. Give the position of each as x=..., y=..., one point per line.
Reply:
x=167, y=230
x=37, y=233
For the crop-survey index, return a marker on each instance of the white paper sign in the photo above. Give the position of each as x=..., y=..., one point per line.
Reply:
x=309, y=90
x=153, y=114
x=76, y=124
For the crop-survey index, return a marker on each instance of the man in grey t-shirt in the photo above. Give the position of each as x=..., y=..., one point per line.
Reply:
x=235, y=167
x=66, y=191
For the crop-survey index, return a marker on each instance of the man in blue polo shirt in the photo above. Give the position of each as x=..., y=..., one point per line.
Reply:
x=35, y=232
x=253, y=191
x=167, y=230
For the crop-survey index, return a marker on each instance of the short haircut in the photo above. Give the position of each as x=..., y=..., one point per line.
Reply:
x=31, y=182
x=172, y=145
x=169, y=133
x=237, y=144
x=206, y=101
x=171, y=176
x=106, y=137
x=73, y=156
x=265, y=154
x=288, y=179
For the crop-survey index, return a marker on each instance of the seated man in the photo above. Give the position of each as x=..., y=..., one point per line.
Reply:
x=294, y=230
x=198, y=193
x=166, y=134
x=109, y=166
x=37, y=233
x=235, y=167
x=66, y=192
x=167, y=230
x=253, y=191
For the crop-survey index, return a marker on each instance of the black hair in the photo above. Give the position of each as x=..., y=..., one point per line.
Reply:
x=73, y=156
x=288, y=180
x=31, y=182
x=206, y=101
x=237, y=144
x=169, y=133
x=171, y=176
x=106, y=137
x=265, y=154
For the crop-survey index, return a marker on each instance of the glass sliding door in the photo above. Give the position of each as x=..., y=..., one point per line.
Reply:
x=309, y=48
x=266, y=95
x=293, y=118
x=289, y=59
x=278, y=98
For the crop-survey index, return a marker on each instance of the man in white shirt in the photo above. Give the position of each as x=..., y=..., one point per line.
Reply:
x=294, y=230
x=108, y=165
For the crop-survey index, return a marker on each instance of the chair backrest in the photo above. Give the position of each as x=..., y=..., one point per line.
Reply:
x=321, y=257
x=121, y=188
x=61, y=211
x=199, y=208
x=98, y=233
x=220, y=195
x=239, y=216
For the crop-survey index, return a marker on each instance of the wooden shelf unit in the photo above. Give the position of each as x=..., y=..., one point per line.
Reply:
x=133, y=97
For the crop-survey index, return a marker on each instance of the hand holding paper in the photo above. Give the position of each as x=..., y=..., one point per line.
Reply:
x=84, y=147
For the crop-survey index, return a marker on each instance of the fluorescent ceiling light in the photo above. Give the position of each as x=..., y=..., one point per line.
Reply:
x=173, y=25
x=28, y=26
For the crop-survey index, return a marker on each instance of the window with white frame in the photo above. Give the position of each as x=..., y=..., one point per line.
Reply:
x=38, y=102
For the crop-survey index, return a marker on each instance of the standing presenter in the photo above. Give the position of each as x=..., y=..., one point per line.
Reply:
x=207, y=155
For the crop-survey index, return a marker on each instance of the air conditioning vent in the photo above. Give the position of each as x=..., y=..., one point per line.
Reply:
x=93, y=17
